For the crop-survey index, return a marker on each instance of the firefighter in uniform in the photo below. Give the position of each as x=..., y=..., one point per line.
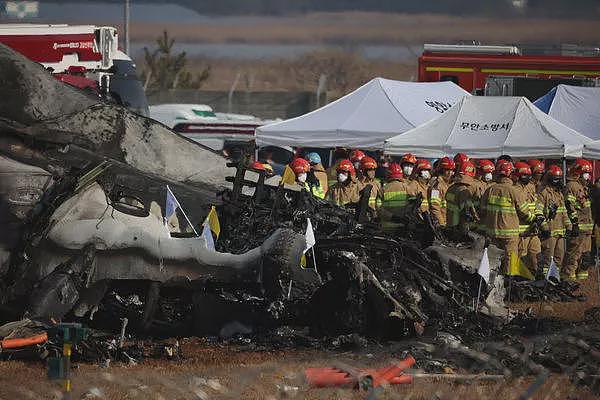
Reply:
x=437, y=191
x=301, y=167
x=419, y=185
x=407, y=162
x=529, y=244
x=320, y=183
x=537, y=169
x=580, y=213
x=460, y=158
x=368, y=166
x=557, y=222
x=462, y=214
x=355, y=156
x=345, y=190
x=395, y=197
x=504, y=207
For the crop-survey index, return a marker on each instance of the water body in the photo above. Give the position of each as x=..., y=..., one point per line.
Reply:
x=261, y=51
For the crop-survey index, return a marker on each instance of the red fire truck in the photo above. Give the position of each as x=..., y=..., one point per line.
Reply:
x=84, y=56
x=506, y=70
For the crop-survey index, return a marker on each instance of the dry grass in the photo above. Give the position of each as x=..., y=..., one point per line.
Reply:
x=225, y=373
x=364, y=27
x=291, y=75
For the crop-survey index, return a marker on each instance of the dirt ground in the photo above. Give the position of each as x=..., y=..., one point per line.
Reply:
x=214, y=371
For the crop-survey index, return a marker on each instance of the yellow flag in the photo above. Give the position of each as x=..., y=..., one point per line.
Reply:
x=518, y=268
x=213, y=221
x=288, y=176
x=303, y=261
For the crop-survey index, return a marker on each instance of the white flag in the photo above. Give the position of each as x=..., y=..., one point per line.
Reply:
x=309, y=236
x=207, y=235
x=484, y=266
x=552, y=271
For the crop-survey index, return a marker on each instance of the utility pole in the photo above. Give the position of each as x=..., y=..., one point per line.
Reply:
x=126, y=26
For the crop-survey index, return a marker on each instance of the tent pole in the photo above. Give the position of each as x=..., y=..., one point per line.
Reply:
x=330, y=157
x=564, y=171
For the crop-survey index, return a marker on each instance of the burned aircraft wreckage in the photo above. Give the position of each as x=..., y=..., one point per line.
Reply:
x=83, y=197
x=83, y=194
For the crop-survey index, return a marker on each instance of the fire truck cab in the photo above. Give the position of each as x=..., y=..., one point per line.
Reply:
x=84, y=56
x=506, y=70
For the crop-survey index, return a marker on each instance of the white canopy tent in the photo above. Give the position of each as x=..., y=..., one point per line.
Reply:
x=592, y=150
x=575, y=106
x=366, y=117
x=488, y=127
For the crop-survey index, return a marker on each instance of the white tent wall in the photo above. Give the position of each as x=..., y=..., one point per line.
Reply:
x=578, y=108
x=487, y=127
x=376, y=111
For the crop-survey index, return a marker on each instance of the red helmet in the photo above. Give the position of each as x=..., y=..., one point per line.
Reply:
x=367, y=163
x=422, y=165
x=555, y=171
x=486, y=166
x=581, y=165
x=346, y=166
x=466, y=168
x=408, y=159
x=394, y=171
x=299, y=166
x=257, y=165
x=460, y=158
x=446, y=164
x=537, y=166
x=504, y=167
x=522, y=168
x=356, y=155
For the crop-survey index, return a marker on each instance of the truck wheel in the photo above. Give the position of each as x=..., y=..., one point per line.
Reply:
x=281, y=264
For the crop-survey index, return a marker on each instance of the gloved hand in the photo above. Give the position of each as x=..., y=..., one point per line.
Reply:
x=575, y=231
x=539, y=219
x=312, y=179
x=545, y=234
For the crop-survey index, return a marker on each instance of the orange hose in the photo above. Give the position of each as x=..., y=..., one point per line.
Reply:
x=24, y=342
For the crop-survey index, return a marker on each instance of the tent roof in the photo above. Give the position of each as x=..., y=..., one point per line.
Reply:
x=366, y=117
x=487, y=127
x=592, y=150
x=575, y=106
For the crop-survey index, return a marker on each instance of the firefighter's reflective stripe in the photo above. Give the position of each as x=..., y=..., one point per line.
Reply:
x=424, y=202
x=318, y=191
x=395, y=199
x=572, y=201
x=502, y=232
x=586, y=228
x=582, y=275
x=558, y=232
x=374, y=201
x=436, y=201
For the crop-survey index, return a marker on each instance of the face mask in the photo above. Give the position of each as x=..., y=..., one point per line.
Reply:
x=357, y=166
x=425, y=174
x=525, y=179
x=585, y=176
x=302, y=177
x=556, y=181
x=487, y=176
x=407, y=170
x=342, y=177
